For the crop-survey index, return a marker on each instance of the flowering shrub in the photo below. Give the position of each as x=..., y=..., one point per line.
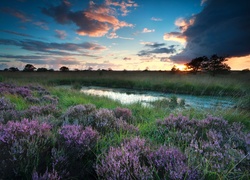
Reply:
x=77, y=146
x=134, y=159
x=5, y=104
x=121, y=125
x=32, y=99
x=170, y=163
x=104, y=120
x=123, y=113
x=7, y=111
x=126, y=162
x=78, y=140
x=40, y=90
x=216, y=143
x=36, y=111
x=46, y=176
x=82, y=114
x=12, y=89
x=49, y=99
x=21, y=147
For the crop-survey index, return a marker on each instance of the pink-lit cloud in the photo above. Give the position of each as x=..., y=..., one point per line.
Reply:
x=95, y=21
x=175, y=36
x=124, y=5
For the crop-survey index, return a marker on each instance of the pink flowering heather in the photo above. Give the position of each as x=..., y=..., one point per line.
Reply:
x=82, y=114
x=212, y=140
x=13, y=131
x=123, y=113
x=7, y=111
x=46, y=176
x=49, y=99
x=21, y=147
x=36, y=111
x=121, y=125
x=169, y=163
x=104, y=120
x=5, y=104
x=126, y=162
x=77, y=139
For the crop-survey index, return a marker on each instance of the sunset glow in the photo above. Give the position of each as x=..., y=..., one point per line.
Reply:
x=124, y=34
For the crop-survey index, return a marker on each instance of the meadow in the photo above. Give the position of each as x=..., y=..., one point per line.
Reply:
x=48, y=132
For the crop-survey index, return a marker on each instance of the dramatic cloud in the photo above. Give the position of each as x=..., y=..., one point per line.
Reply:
x=53, y=48
x=156, y=48
x=175, y=36
x=61, y=34
x=18, y=14
x=163, y=50
x=146, y=30
x=220, y=28
x=156, y=19
x=96, y=21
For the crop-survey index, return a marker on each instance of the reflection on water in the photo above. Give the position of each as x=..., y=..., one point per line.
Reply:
x=126, y=96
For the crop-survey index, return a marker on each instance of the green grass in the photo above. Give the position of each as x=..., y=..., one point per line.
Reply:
x=235, y=84
x=20, y=102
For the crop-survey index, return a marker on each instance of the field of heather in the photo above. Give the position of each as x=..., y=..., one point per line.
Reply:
x=47, y=132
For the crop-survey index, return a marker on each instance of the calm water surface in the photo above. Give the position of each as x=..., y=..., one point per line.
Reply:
x=126, y=96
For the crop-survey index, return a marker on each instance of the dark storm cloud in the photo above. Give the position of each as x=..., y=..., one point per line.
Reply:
x=221, y=28
x=54, y=48
x=162, y=50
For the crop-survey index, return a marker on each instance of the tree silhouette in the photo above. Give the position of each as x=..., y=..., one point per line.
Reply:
x=216, y=64
x=196, y=64
x=13, y=69
x=29, y=68
x=175, y=69
x=42, y=69
x=64, y=68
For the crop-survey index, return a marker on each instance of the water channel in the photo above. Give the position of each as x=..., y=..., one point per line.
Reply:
x=126, y=96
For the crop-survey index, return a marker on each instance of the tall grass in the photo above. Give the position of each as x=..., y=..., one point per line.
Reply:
x=234, y=84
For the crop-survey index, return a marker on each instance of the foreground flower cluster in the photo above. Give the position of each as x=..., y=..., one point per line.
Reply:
x=44, y=142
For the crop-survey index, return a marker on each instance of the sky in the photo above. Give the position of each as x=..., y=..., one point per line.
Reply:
x=122, y=34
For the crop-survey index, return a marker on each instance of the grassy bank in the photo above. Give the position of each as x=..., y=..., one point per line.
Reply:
x=235, y=84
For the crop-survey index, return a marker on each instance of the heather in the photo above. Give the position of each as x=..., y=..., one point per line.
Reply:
x=51, y=133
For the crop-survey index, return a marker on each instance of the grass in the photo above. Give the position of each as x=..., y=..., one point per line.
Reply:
x=235, y=84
